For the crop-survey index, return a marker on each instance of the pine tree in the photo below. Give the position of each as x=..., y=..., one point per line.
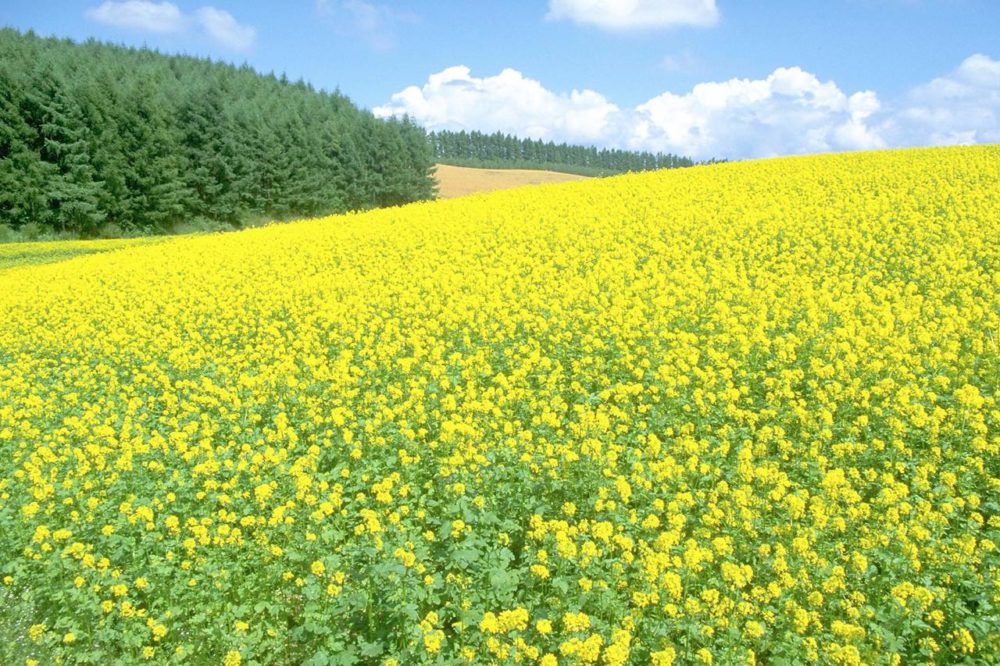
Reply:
x=94, y=135
x=73, y=192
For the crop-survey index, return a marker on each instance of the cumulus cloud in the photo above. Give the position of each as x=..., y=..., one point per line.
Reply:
x=635, y=14
x=166, y=18
x=961, y=107
x=508, y=102
x=791, y=111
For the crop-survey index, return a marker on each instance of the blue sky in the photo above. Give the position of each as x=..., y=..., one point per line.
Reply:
x=724, y=78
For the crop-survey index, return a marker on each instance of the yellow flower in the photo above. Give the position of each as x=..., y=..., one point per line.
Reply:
x=664, y=657
x=753, y=629
x=232, y=658
x=966, y=643
x=433, y=640
x=489, y=624
x=513, y=620
x=576, y=621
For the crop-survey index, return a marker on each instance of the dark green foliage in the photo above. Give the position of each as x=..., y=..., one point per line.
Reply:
x=476, y=149
x=96, y=137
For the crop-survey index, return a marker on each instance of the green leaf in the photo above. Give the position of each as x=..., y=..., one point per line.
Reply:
x=464, y=557
x=321, y=658
x=372, y=649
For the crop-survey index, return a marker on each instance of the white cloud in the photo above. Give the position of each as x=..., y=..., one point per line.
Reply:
x=962, y=107
x=788, y=112
x=508, y=102
x=635, y=14
x=166, y=18
x=375, y=23
x=225, y=29
x=163, y=17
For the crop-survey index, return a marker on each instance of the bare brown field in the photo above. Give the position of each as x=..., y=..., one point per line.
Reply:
x=456, y=181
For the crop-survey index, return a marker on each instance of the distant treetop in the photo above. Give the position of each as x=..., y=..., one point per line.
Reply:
x=503, y=150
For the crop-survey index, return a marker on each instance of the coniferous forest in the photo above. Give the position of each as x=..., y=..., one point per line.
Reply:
x=95, y=137
x=479, y=149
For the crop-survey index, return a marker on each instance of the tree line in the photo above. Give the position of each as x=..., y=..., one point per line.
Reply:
x=478, y=149
x=95, y=136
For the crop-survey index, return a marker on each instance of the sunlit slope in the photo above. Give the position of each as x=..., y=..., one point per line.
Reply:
x=737, y=412
x=44, y=252
x=456, y=181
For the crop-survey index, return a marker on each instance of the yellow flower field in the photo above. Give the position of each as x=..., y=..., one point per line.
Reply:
x=41, y=252
x=744, y=413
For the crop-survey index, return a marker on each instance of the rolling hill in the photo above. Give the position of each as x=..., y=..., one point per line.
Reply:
x=455, y=181
x=741, y=413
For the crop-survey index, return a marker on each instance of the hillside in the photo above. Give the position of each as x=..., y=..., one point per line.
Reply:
x=42, y=252
x=741, y=413
x=96, y=138
x=454, y=181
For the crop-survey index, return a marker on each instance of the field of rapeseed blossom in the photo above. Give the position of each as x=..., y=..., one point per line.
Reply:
x=40, y=252
x=744, y=413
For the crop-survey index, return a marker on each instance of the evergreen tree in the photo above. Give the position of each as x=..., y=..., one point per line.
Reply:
x=73, y=193
x=478, y=149
x=93, y=134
